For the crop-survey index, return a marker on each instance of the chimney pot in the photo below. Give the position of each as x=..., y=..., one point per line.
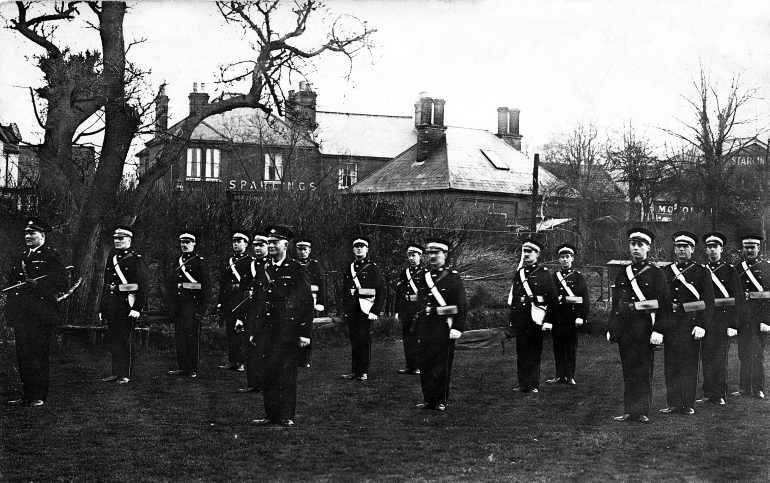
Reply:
x=502, y=121
x=438, y=112
x=514, y=121
x=203, y=87
x=195, y=87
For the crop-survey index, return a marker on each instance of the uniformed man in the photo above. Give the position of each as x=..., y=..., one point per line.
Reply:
x=283, y=316
x=639, y=301
x=234, y=278
x=724, y=322
x=123, y=298
x=317, y=286
x=37, y=275
x=190, y=297
x=571, y=313
x=363, y=298
x=443, y=309
x=250, y=354
x=754, y=274
x=691, y=291
x=533, y=301
x=407, y=306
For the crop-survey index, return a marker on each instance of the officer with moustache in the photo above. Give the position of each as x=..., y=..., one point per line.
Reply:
x=123, y=298
x=691, y=291
x=37, y=275
x=443, y=310
x=317, y=286
x=639, y=301
x=282, y=324
x=571, y=313
x=754, y=274
x=407, y=306
x=190, y=297
x=533, y=302
x=234, y=278
x=363, y=298
x=724, y=322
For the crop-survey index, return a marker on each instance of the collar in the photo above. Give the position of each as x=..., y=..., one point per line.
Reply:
x=684, y=263
x=278, y=263
x=33, y=250
x=303, y=261
x=437, y=270
x=565, y=270
x=640, y=264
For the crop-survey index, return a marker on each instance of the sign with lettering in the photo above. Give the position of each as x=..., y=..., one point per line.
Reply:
x=259, y=185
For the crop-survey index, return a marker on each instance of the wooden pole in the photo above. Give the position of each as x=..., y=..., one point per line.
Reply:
x=535, y=188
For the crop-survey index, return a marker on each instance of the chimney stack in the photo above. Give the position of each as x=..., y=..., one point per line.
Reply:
x=301, y=106
x=429, y=123
x=161, y=111
x=197, y=99
x=508, y=126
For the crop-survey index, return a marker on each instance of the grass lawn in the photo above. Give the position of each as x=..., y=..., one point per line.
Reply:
x=161, y=428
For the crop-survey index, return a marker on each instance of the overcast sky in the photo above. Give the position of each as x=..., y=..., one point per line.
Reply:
x=609, y=62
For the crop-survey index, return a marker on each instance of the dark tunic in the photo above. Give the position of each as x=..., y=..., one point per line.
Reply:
x=32, y=310
x=565, y=336
x=282, y=313
x=529, y=335
x=406, y=307
x=250, y=352
x=716, y=344
x=681, y=349
x=359, y=328
x=189, y=300
x=632, y=329
x=318, y=287
x=435, y=350
x=751, y=341
x=117, y=304
x=234, y=279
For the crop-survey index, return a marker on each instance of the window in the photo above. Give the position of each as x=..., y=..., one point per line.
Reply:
x=9, y=170
x=495, y=159
x=348, y=175
x=273, y=167
x=203, y=164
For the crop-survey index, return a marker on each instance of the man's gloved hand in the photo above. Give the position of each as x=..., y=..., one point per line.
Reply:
x=372, y=316
x=578, y=322
x=134, y=314
x=239, y=325
x=396, y=316
x=547, y=326
x=656, y=338
x=454, y=334
x=319, y=307
x=731, y=332
x=764, y=327
x=698, y=332
x=609, y=337
x=304, y=342
x=252, y=341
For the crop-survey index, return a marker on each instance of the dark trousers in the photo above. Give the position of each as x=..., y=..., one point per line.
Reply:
x=120, y=337
x=410, y=339
x=251, y=354
x=278, y=377
x=33, y=345
x=360, y=333
x=187, y=330
x=529, y=348
x=305, y=354
x=714, y=349
x=680, y=365
x=234, y=339
x=637, y=358
x=434, y=359
x=565, y=352
x=751, y=352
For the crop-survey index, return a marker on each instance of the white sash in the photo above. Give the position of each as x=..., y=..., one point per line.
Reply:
x=681, y=278
x=411, y=282
x=186, y=273
x=366, y=302
x=525, y=283
x=123, y=280
x=433, y=290
x=718, y=283
x=564, y=284
x=636, y=289
x=232, y=269
x=254, y=268
x=752, y=277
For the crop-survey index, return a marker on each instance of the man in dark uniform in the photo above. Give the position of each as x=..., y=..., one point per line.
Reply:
x=639, y=301
x=250, y=354
x=692, y=305
x=724, y=321
x=123, y=298
x=190, y=297
x=443, y=309
x=363, y=298
x=533, y=301
x=35, y=279
x=317, y=286
x=234, y=279
x=754, y=274
x=407, y=306
x=283, y=316
x=571, y=313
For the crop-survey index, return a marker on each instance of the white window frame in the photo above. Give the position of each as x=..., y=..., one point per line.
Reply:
x=273, y=168
x=203, y=164
x=347, y=176
x=9, y=170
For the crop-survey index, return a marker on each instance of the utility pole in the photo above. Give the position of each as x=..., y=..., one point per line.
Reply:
x=535, y=189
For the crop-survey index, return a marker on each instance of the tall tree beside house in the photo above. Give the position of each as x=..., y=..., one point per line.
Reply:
x=80, y=85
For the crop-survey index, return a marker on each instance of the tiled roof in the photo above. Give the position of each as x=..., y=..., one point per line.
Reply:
x=466, y=162
x=345, y=134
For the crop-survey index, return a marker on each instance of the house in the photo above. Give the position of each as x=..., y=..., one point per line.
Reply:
x=10, y=138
